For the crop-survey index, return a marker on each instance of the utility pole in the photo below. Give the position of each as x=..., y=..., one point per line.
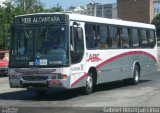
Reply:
x=102, y=11
x=94, y=8
x=24, y=5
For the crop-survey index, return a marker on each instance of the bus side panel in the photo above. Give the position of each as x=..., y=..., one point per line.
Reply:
x=148, y=65
x=121, y=65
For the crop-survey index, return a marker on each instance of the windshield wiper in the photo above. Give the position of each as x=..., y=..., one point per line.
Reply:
x=25, y=32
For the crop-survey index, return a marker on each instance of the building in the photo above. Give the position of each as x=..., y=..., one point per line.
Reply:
x=102, y=10
x=156, y=7
x=77, y=10
x=96, y=9
x=136, y=10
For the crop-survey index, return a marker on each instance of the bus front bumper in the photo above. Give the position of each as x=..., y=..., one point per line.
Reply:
x=19, y=82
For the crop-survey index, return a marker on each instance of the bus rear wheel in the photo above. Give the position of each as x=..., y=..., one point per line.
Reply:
x=136, y=75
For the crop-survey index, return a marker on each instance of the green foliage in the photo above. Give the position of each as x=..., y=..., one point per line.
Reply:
x=56, y=8
x=5, y=22
x=18, y=7
x=156, y=22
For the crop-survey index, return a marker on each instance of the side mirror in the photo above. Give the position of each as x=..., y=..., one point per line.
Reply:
x=75, y=24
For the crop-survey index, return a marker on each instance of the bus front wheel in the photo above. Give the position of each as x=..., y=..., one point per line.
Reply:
x=89, y=84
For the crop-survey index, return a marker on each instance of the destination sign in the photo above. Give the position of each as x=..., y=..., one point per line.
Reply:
x=42, y=19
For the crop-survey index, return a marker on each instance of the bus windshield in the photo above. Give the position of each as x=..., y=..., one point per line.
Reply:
x=40, y=46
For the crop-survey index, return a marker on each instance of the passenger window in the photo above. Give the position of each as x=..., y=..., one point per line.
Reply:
x=113, y=36
x=152, y=39
x=90, y=36
x=103, y=37
x=144, y=39
x=135, y=38
x=125, y=40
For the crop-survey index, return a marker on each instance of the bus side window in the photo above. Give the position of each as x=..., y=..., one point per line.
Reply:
x=152, y=39
x=144, y=43
x=135, y=38
x=90, y=31
x=125, y=38
x=103, y=37
x=113, y=37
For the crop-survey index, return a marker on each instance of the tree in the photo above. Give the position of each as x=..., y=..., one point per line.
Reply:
x=56, y=8
x=5, y=22
x=13, y=8
x=156, y=22
x=29, y=6
x=10, y=10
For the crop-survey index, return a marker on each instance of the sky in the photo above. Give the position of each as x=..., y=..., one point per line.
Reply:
x=67, y=3
x=1, y=1
x=157, y=5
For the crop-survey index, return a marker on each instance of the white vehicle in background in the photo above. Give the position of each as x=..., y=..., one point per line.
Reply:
x=59, y=50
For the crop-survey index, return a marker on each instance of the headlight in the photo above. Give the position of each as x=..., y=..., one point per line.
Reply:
x=59, y=76
x=15, y=77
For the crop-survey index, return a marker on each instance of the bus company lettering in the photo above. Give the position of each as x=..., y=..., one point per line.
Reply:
x=41, y=19
x=94, y=58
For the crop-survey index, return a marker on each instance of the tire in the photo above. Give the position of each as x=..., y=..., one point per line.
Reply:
x=136, y=75
x=89, y=84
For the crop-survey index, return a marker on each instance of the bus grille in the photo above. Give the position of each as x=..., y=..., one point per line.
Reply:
x=35, y=78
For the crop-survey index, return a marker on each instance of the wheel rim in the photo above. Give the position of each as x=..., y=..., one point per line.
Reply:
x=136, y=76
x=89, y=82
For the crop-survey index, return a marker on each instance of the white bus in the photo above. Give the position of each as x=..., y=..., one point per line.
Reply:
x=60, y=50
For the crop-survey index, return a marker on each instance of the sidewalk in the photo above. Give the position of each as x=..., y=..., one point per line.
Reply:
x=158, y=58
x=158, y=69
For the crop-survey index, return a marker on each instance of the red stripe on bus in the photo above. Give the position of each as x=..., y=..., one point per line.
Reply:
x=125, y=54
x=114, y=58
x=78, y=80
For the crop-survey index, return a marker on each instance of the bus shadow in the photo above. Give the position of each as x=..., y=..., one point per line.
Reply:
x=116, y=85
x=61, y=95
x=31, y=95
x=3, y=76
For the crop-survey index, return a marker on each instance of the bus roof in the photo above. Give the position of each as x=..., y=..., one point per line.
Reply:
x=85, y=18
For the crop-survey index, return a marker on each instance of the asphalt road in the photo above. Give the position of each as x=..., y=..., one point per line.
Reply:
x=115, y=94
